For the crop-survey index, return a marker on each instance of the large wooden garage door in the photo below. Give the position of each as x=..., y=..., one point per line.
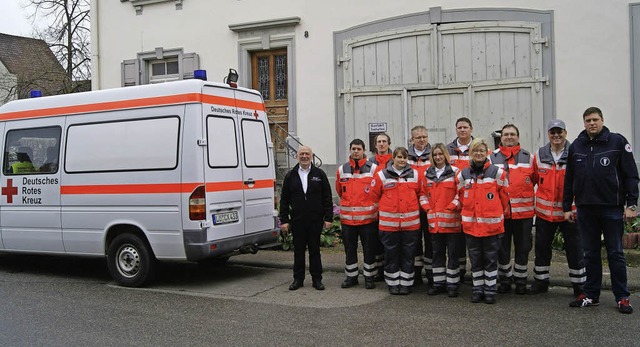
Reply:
x=433, y=74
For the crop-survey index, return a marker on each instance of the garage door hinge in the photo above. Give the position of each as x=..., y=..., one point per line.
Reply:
x=346, y=93
x=539, y=41
x=343, y=59
x=544, y=79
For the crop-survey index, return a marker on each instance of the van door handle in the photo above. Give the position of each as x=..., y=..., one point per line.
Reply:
x=249, y=181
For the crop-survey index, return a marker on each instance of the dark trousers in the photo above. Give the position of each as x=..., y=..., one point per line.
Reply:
x=462, y=255
x=306, y=234
x=445, y=251
x=367, y=234
x=545, y=233
x=520, y=231
x=424, y=252
x=483, y=255
x=399, y=252
x=378, y=248
x=594, y=221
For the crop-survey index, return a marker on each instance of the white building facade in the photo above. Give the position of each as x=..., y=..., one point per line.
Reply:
x=8, y=82
x=331, y=71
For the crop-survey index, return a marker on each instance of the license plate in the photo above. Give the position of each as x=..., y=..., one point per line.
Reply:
x=225, y=217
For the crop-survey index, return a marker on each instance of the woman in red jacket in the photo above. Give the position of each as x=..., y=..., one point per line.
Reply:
x=397, y=188
x=440, y=201
x=483, y=194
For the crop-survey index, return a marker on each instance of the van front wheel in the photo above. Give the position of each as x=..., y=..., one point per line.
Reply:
x=129, y=260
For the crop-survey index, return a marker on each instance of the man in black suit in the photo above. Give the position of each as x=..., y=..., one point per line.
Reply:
x=305, y=207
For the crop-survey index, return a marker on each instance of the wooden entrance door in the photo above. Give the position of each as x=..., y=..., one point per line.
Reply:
x=269, y=76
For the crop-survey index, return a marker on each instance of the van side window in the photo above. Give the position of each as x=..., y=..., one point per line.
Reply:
x=254, y=141
x=222, y=142
x=32, y=151
x=132, y=145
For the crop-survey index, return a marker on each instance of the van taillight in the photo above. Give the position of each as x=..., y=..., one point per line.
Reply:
x=197, y=206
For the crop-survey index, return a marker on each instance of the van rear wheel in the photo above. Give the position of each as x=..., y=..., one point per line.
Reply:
x=130, y=262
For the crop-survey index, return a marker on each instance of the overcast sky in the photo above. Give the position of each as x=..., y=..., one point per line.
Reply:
x=13, y=18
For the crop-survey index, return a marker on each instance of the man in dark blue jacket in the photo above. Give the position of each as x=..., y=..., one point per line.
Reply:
x=305, y=205
x=603, y=177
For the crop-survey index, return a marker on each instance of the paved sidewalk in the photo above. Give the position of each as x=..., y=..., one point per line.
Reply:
x=333, y=261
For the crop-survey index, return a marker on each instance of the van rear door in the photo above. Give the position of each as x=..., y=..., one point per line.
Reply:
x=223, y=168
x=258, y=173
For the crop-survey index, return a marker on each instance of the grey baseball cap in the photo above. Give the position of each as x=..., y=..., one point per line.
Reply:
x=556, y=123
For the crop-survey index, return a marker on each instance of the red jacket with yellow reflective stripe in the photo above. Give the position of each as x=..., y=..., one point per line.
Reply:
x=518, y=164
x=550, y=180
x=484, y=197
x=357, y=205
x=397, y=196
x=440, y=200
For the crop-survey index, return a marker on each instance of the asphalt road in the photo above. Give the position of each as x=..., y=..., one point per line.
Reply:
x=50, y=301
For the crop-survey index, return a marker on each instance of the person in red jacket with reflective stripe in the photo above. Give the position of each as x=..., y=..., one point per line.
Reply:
x=419, y=153
x=483, y=193
x=518, y=164
x=459, y=157
x=358, y=214
x=381, y=157
x=440, y=201
x=397, y=188
x=549, y=164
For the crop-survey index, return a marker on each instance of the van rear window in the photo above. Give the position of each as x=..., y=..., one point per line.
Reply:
x=254, y=140
x=222, y=142
x=142, y=144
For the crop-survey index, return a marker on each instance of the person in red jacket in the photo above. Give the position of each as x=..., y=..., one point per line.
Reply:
x=549, y=165
x=419, y=152
x=459, y=157
x=440, y=201
x=518, y=164
x=382, y=153
x=382, y=156
x=358, y=214
x=483, y=193
x=397, y=188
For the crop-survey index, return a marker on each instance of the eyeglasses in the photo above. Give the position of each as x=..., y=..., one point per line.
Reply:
x=556, y=132
x=421, y=137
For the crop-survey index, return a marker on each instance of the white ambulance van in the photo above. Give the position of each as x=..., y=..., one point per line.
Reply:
x=179, y=171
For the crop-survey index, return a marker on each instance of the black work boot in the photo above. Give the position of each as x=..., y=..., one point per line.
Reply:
x=538, y=287
x=369, y=283
x=504, y=288
x=350, y=282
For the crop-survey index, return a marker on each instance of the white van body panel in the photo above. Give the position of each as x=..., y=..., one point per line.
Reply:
x=129, y=160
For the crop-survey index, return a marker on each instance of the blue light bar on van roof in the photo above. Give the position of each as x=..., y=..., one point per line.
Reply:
x=35, y=93
x=200, y=74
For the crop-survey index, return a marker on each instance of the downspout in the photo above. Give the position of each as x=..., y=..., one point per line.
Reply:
x=95, y=46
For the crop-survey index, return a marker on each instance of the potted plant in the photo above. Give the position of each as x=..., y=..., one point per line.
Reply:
x=631, y=235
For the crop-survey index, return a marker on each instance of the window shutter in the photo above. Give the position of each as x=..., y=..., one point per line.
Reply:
x=190, y=62
x=130, y=70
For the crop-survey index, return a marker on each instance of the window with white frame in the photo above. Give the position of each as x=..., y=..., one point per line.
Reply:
x=163, y=70
x=159, y=65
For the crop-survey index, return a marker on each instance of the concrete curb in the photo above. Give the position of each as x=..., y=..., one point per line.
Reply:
x=333, y=261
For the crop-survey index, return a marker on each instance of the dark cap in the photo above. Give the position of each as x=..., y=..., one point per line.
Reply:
x=556, y=123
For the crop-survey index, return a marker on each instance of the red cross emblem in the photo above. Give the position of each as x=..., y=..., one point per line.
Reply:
x=255, y=114
x=10, y=191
